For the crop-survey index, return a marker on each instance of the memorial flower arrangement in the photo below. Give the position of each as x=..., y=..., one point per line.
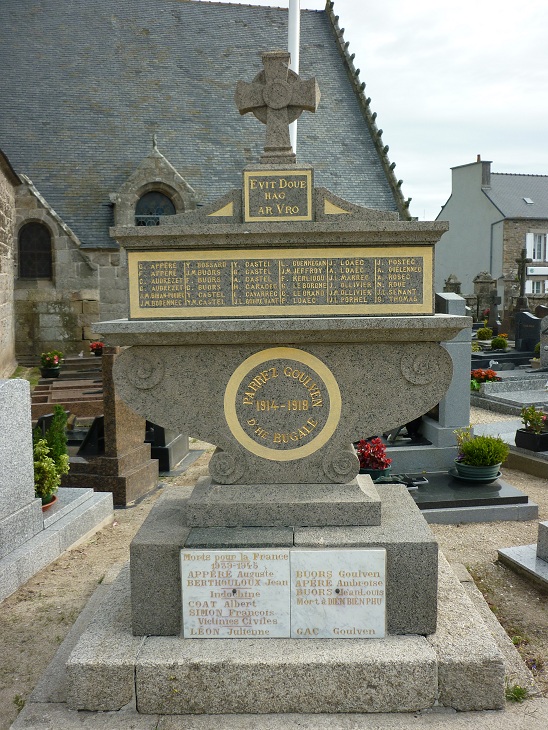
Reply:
x=51, y=359
x=533, y=419
x=96, y=346
x=479, y=376
x=372, y=454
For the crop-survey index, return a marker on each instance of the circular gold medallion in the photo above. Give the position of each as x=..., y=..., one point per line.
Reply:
x=282, y=404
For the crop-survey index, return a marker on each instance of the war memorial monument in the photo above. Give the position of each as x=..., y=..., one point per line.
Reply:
x=282, y=324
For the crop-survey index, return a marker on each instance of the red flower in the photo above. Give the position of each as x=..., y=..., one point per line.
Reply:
x=372, y=454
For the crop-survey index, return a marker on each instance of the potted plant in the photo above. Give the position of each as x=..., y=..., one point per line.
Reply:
x=479, y=458
x=96, y=348
x=50, y=364
x=46, y=477
x=51, y=458
x=534, y=434
x=373, y=459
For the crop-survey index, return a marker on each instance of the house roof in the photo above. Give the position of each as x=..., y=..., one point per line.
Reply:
x=508, y=193
x=85, y=86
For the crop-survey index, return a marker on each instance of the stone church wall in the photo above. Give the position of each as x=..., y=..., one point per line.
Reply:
x=55, y=313
x=7, y=218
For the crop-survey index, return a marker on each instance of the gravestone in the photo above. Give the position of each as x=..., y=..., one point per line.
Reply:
x=280, y=323
x=29, y=538
x=168, y=447
x=544, y=343
x=527, y=331
x=20, y=510
x=493, y=319
x=114, y=458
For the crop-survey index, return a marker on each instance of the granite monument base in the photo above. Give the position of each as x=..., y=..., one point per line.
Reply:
x=411, y=569
x=457, y=666
x=128, y=477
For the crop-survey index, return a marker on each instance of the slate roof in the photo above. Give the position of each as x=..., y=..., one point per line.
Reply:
x=507, y=193
x=84, y=85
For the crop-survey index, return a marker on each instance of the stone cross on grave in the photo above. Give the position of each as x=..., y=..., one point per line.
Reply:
x=277, y=97
x=522, y=305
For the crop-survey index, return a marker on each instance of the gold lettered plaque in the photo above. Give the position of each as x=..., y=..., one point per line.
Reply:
x=277, y=195
x=282, y=404
x=280, y=281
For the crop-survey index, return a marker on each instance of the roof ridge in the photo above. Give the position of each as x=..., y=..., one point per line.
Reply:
x=519, y=174
x=248, y=5
x=365, y=105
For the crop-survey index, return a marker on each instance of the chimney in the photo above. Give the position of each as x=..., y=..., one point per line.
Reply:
x=485, y=173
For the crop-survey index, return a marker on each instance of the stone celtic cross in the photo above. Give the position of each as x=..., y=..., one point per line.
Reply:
x=522, y=304
x=277, y=97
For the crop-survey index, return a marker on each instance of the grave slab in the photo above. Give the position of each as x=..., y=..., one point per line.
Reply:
x=542, y=541
x=85, y=517
x=524, y=560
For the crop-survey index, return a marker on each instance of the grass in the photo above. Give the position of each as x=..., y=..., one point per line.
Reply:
x=30, y=374
x=19, y=702
x=516, y=693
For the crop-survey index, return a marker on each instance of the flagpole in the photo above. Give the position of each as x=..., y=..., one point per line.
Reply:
x=293, y=46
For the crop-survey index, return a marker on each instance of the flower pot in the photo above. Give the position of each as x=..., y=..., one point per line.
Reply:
x=98, y=352
x=477, y=473
x=530, y=440
x=49, y=504
x=50, y=372
x=376, y=473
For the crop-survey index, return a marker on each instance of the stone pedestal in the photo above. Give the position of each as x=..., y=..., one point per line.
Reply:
x=403, y=672
x=453, y=409
x=126, y=469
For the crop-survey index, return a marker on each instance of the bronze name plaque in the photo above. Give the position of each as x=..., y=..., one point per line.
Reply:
x=277, y=196
x=243, y=283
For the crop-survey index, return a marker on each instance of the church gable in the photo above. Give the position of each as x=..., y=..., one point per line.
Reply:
x=155, y=174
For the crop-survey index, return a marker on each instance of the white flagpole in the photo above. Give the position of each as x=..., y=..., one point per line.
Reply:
x=293, y=44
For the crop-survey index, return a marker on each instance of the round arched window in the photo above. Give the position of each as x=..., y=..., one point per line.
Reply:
x=35, y=259
x=150, y=207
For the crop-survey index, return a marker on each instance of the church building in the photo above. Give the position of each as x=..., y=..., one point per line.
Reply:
x=117, y=113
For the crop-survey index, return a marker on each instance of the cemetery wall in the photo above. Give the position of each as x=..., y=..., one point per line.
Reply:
x=8, y=181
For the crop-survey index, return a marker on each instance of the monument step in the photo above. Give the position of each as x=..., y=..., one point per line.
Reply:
x=68, y=499
x=228, y=505
x=458, y=666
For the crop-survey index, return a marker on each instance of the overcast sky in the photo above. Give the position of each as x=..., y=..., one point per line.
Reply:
x=450, y=81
